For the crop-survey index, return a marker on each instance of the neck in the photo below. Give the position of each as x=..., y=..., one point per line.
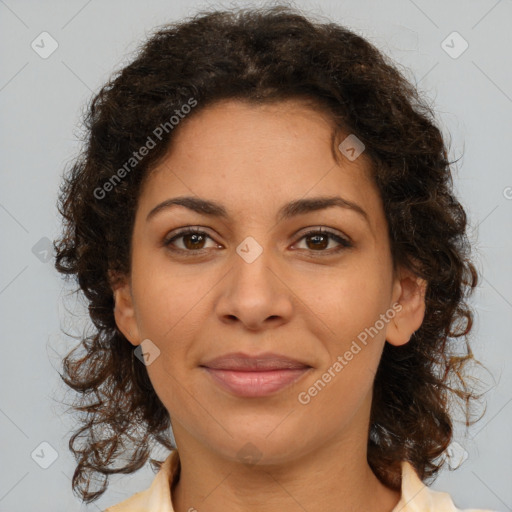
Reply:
x=335, y=476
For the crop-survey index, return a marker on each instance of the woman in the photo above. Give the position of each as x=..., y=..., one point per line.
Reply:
x=264, y=225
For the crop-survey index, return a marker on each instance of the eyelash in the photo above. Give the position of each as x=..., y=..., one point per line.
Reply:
x=344, y=243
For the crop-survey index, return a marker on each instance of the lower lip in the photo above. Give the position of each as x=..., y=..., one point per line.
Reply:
x=254, y=384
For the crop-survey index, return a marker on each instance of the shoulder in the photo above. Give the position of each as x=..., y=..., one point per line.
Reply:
x=417, y=497
x=139, y=502
x=157, y=498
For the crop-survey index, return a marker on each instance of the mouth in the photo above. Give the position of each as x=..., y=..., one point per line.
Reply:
x=255, y=383
x=255, y=376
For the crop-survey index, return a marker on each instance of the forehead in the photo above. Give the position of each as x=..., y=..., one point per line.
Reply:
x=258, y=157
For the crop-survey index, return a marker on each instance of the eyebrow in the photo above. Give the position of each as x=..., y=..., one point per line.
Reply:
x=289, y=210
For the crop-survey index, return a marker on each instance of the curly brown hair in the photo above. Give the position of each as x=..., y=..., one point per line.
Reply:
x=265, y=55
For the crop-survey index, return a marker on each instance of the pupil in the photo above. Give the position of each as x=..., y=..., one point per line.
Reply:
x=195, y=237
x=316, y=237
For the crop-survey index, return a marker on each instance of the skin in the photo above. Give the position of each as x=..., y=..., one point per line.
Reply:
x=298, y=298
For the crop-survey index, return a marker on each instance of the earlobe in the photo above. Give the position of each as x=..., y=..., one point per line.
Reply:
x=124, y=313
x=409, y=291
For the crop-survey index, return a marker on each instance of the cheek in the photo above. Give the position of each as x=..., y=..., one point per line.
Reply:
x=349, y=300
x=337, y=395
x=165, y=315
x=167, y=299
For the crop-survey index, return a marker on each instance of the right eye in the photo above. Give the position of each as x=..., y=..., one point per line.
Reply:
x=193, y=239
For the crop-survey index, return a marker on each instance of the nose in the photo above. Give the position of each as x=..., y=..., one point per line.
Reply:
x=255, y=294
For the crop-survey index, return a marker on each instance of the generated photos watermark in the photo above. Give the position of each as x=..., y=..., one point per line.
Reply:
x=304, y=397
x=137, y=156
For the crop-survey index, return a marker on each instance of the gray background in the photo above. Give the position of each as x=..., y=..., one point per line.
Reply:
x=41, y=102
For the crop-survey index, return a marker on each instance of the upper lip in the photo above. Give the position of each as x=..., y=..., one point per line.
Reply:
x=245, y=362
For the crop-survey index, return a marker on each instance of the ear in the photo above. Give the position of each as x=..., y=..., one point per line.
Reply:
x=408, y=291
x=124, y=311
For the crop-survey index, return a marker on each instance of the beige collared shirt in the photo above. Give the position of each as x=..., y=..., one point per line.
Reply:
x=416, y=496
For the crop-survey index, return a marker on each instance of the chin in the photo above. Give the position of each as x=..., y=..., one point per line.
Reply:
x=265, y=446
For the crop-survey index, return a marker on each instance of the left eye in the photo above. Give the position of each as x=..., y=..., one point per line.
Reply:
x=321, y=238
x=193, y=239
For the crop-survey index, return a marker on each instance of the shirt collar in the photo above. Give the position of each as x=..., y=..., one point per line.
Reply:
x=415, y=495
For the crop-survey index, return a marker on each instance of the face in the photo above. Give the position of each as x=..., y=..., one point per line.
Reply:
x=263, y=279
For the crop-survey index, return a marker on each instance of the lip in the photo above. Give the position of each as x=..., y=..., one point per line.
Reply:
x=255, y=383
x=268, y=361
x=255, y=375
